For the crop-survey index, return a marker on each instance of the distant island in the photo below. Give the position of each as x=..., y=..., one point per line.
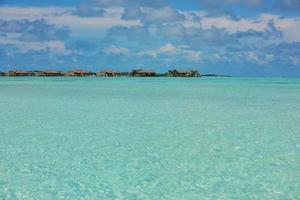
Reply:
x=106, y=73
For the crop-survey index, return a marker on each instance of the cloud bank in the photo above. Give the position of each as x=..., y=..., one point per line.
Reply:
x=124, y=34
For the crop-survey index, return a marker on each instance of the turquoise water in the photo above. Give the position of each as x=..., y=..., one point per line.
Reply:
x=149, y=138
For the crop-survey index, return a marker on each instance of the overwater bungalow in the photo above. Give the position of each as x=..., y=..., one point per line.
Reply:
x=20, y=73
x=108, y=72
x=49, y=73
x=142, y=72
x=78, y=72
x=183, y=73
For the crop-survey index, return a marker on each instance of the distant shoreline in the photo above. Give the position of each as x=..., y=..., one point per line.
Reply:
x=106, y=73
x=92, y=76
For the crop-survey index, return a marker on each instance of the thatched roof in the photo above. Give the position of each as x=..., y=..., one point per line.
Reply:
x=148, y=71
x=79, y=71
x=20, y=72
x=109, y=71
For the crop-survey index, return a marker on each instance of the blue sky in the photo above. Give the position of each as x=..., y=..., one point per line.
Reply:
x=235, y=37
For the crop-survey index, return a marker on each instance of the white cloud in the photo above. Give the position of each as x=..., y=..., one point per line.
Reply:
x=167, y=48
x=63, y=16
x=256, y=58
x=233, y=26
x=295, y=60
x=169, y=51
x=53, y=46
x=193, y=55
x=150, y=53
x=8, y=12
x=180, y=51
x=116, y=50
x=165, y=14
x=92, y=25
x=289, y=26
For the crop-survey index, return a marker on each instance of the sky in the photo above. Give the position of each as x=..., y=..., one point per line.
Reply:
x=228, y=37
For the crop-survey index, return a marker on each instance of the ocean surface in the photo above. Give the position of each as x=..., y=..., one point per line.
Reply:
x=149, y=138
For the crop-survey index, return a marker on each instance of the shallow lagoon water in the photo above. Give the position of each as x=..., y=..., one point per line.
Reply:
x=149, y=138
